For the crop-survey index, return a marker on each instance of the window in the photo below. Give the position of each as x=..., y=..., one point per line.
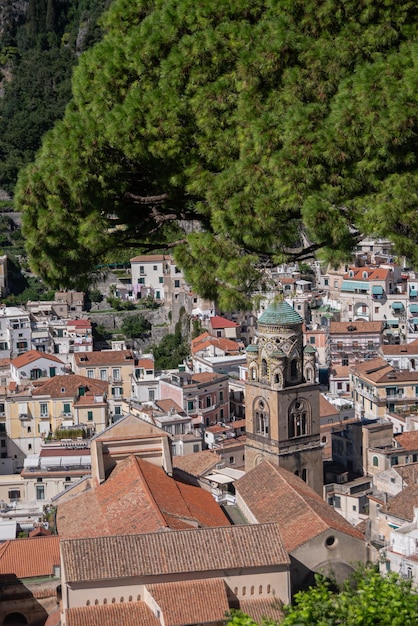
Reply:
x=161, y=279
x=141, y=269
x=394, y=460
x=44, y=409
x=298, y=419
x=354, y=507
x=117, y=392
x=141, y=281
x=261, y=417
x=103, y=374
x=116, y=374
x=66, y=408
x=337, y=502
x=176, y=284
x=118, y=410
x=2, y=409
x=312, y=340
x=90, y=373
x=154, y=267
x=90, y=416
x=208, y=401
x=151, y=394
x=221, y=396
x=190, y=405
x=231, y=460
x=14, y=494
x=3, y=443
x=375, y=461
x=326, y=282
x=3, y=428
x=195, y=447
x=40, y=492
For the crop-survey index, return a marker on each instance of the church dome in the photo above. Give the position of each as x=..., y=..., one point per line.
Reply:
x=280, y=313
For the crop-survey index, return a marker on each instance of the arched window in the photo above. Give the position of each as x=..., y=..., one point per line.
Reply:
x=264, y=367
x=304, y=475
x=15, y=619
x=244, y=591
x=261, y=417
x=375, y=461
x=293, y=368
x=299, y=419
x=260, y=589
x=252, y=590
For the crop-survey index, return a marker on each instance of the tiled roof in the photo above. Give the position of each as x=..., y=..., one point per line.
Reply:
x=31, y=356
x=176, y=552
x=54, y=618
x=30, y=558
x=280, y=313
x=198, y=463
x=408, y=473
x=340, y=371
x=147, y=364
x=83, y=323
x=149, y=498
x=358, y=328
x=151, y=258
x=191, y=601
x=104, y=357
x=223, y=343
x=120, y=614
x=67, y=386
x=408, y=440
x=257, y=608
x=168, y=405
x=400, y=349
x=326, y=408
x=206, y=377
x=402, y=505
x=218, y=322
x=374, y=369
x=275, y=495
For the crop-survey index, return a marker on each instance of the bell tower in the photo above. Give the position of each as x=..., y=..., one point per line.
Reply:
x=282, y=397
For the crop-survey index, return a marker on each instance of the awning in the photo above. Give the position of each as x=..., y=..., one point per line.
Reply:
x=413, y=308
x=354, y=285
x=221, y=479
x=413, y=293
x=64, y=462
x=414, y=320
x=397, y=306
x=393, y=322
x=377, y=290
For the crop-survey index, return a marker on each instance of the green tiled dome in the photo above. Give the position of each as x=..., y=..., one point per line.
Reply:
x=280, y=313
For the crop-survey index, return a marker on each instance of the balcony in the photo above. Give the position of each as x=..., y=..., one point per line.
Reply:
x=45, y=416
x=25, y=416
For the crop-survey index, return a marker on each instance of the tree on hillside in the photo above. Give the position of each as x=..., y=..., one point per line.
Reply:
x=135, y=326
x=239, y=134
x=368, y=598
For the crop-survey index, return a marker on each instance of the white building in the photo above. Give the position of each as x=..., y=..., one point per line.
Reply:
x=15, y=332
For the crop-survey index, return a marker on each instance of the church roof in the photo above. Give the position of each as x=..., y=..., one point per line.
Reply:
x=280, y=313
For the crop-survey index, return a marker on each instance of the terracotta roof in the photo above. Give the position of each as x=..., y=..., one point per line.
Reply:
x=40, y=531
x=257, y=608
x=191, y=601
x=326, y=408
x=275, y=495
x=147, y=364
x=373, y=273
x=47, y=451
x=340, y=371
x=408, y=440
x=373, y=369
x=151, y=258
x=104, y=357
x=342, y=328
x=168, y=405
x=149, y=498
x=206, y=377
x=409, y=473
x=229, y=346
x=177, y=552
x=31, y=356
x=67, y=386
x=198, y=463
x=402, y=505
x=30, y=558
x=83, y=323
x=54, y=618
x=120, y=614
x=218, y=322
x=400, y=349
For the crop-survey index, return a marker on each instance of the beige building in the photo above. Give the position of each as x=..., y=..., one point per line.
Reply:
x=214, y=568
x=116, y=367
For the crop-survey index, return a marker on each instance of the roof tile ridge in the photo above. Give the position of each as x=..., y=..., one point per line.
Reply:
x=141, y=475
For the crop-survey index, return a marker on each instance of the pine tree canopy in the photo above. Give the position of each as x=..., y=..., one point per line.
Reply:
x=235, y=133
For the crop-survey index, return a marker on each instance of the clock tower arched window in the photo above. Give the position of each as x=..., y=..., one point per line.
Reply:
x=261, y=417
x=299, y=419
